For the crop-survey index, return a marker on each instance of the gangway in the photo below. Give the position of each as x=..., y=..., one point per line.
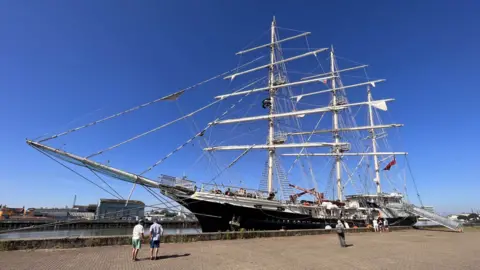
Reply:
x=415, y=210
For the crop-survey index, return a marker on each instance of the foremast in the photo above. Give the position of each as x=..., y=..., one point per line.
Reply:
x=273, y=85
x=271, y=91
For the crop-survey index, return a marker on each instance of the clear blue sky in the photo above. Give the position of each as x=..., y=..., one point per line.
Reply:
x=64, y=63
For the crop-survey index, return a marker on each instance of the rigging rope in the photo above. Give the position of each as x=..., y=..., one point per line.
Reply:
x=105, y=182
x=158, y=197
x=209, y=155
x=164, y=125
x=146, y=104
x=354, y=170
x=232, y=163
x=77, y=173
x=303, y=148
x=292, y=106
x=414, y=182
x=202, y=132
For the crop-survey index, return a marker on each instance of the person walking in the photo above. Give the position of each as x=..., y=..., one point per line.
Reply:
x=380, y=225
x=137, y=236
x=341, y=233
x=375, y=225
x=156, y=231
x=385, y=225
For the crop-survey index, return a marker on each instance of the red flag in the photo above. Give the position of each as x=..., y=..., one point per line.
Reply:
x=390, y=164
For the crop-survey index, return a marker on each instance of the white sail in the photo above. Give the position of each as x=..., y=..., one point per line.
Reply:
x=381, y=105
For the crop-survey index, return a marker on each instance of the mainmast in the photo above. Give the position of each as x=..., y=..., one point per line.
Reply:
x=336, y=134
x=271, y=91
x=374, y=141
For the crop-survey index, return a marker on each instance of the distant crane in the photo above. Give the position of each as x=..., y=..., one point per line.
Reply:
x=318, y=196
x=294, y=197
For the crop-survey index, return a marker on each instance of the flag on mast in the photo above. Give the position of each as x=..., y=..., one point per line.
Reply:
x=390, y=164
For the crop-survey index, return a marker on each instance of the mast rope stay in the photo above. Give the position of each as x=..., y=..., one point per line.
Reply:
x=162, y=126
x=201, y=133
x=292, y=106
x=414, y=182
x=211, y=157
x=167, y=97
x=231, y=164
x=303, y=148
x=77, y=173
x=105, y=182
x=350, y=175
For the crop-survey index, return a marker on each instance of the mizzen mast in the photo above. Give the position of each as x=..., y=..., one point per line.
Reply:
x=374, y=141
x=336, y=133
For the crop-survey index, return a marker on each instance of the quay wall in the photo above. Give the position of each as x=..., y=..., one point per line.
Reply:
x=77, y=242
x=45, y=225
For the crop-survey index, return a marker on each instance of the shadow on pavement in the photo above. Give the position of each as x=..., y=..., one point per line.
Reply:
x=165, y=257
x=172, y=256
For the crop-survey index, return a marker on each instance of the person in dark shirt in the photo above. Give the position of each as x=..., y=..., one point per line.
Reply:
x=341, y=233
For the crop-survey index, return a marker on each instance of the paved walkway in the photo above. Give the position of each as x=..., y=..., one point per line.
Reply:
x=396, y=250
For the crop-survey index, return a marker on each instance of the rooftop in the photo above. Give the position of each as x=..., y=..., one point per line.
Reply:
x=121, y=201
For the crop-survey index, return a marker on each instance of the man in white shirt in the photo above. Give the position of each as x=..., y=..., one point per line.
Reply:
x=156, y=231
x=137, y=237
x=375, y=225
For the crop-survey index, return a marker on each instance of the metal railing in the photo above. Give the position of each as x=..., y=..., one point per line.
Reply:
x=410, y=208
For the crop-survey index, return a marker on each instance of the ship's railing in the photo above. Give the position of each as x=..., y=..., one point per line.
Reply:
x=236, y=191
x=172, y=181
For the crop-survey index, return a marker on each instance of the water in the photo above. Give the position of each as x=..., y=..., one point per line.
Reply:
x=89, y=232
x=113, y=231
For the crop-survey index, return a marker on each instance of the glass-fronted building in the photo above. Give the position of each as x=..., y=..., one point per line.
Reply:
x=116, y=209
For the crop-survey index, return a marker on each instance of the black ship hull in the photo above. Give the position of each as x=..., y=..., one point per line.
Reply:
x=214, y=217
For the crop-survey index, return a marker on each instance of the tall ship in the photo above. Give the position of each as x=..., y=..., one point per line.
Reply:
x=315, y=156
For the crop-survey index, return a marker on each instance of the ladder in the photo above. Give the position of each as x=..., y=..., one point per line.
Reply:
x=412, y=209
x=283, y=180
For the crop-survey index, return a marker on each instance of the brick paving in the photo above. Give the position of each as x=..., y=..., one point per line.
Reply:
x=397, y=250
